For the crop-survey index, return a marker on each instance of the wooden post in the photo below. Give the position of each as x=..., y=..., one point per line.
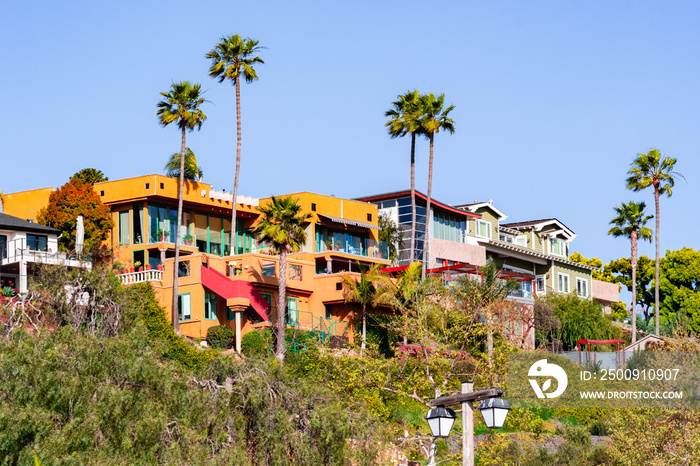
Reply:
x=467, y=427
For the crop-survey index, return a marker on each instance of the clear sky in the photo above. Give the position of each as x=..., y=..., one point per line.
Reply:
x=553, y=100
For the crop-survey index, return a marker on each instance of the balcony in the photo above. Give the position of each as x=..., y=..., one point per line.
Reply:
x=355, y=246
x=144, y=276
x=16, y=251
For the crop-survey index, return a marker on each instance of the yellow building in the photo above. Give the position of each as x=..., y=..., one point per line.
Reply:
x=236, y=288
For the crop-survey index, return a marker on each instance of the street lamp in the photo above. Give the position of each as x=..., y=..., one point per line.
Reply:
x=494, y=411
x=441, y=420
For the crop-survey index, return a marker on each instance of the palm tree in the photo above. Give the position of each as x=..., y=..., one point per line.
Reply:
x=630, y=222
x=434, y=118
x=181, y=106
x=231, y=58
x=364, y=293
x=650, y=170
x=281, y=225
x=404, y=118
x=192, y=171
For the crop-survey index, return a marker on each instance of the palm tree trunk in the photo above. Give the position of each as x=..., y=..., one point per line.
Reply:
x=238, y=163
x=426, y=239
x=282, y=307
x=633, y=237
x=413, y=197
x=176, y=264
x=656, y=271
x=364, y=329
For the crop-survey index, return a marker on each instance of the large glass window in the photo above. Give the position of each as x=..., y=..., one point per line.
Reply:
x=330, y=240
x=581, y=287
x=563, y=283
x=557, y=246
x=138, y=223
x=201, y=232
x=3, y=247
x=124, y=228
x=449, y=227
x=37, y=242
x=215, y=234
x=292, y=313
x=483, y=228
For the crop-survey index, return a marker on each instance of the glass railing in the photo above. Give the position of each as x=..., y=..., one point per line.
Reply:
x=368, y=248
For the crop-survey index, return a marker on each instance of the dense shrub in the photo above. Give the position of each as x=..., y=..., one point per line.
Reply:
x=256, y=343
x=220, y=337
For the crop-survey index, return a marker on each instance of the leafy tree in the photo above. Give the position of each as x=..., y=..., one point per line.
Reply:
x=630, y=221
x=680, y=288
x=192, y=171
x=181, y=105
x=593, y=262
x=651, y=170
x=621, y=272
x=90, y=175
x=619, y=312
x=67, y=203
x=230, y=59
x=404, y=118
x=281, y=225
x=391, y=235
x=434, y=118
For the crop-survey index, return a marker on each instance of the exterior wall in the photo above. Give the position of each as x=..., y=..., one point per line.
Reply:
x=26, y=204
x=573, y=273
x=458, y=252
x=606, y=294
x=488, y=216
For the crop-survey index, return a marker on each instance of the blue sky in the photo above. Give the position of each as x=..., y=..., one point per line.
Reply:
x=553, y=100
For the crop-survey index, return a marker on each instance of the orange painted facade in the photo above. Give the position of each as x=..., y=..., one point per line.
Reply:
x=342, y=237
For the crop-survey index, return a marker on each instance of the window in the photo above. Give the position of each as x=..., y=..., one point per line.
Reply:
x=557, y=246
x=483, y=229
x=369, y=217
x=540, y=284
x=37, y=242
x=3, y=247
x=562, y=283
x=184, y=308
x=102, y=193
x=505, y=238
x=294, y=272
x=448, y=227
x=124, y=228
x=292, y=313
x=268, y=269
x=148, y=185
x=338, y=286
x=137, y=215
x=328, y=312
x=521, y=240
x=313, y=207
x=581, y=287
x=162, y=186
x=210, y=306
x=183, y=269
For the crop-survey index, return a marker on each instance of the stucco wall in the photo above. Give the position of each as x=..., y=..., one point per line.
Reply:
x=458, y=252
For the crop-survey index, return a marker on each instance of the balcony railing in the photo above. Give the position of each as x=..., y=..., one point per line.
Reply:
x=368, y=248
x=18, y=250
x=132, y=278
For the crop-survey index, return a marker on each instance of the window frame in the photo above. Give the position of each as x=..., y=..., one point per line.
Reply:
x=180, y=306
x=288, y=314
x=563, y=247
x=567, y=277
x=583, y=281
x=265, y=264
x=488, y=224
x=208, y=306
x=37, y=243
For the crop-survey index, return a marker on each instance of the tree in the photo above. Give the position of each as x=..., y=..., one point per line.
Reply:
x=67, y=203
x=231, y=58
x=391, y=235
x=404, y=118
x=651, y=170
x=192, y=171
x=90, y=175
x=281, y=225
x=630, y=221
x=593, y=262
x=181, y=106
x=621, y=272
x=364, y=293
x=433, y=119
x=680, y=287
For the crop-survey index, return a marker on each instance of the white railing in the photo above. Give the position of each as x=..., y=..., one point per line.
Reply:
x=18, y=250
x=132, y=278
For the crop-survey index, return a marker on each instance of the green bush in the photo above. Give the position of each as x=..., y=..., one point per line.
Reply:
x=256, y=343
x=220, y=337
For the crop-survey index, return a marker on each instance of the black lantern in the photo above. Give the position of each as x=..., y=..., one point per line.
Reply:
x=494, y=411
x=440, y=420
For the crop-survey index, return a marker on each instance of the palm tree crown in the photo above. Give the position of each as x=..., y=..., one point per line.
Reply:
x=192, y=171
x=281, y=225
x=651, y=170
x=181, y=105
x=233, y=56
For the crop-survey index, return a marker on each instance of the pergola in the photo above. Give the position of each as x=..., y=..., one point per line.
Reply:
x=588, y=343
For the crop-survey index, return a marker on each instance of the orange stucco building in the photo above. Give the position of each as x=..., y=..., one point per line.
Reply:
x=236, y=288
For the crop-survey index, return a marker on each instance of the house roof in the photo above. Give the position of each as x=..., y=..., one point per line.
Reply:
x=539, y=224
x=529, y=252
x=478, y=205
x=346, y=221
x=420, y=195
x=10, y=222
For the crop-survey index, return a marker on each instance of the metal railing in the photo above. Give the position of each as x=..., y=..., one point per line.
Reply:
x=375, y=249
x=18, y=250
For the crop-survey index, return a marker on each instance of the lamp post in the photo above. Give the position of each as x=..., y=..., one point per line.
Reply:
x=493, y=409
